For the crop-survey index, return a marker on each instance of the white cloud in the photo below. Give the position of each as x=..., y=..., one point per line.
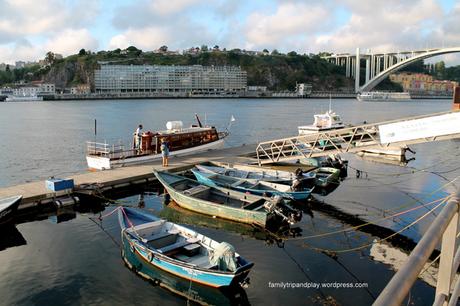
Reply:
x=167, y=7
x=383, y=25
x=66, y=42
x=147, y=38
x=290, y=23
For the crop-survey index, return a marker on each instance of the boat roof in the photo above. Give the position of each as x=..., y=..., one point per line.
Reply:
x=186, y=130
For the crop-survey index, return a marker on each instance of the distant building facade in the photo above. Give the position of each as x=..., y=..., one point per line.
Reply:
x=81, y=89
x=422, y=83
x=35, y=90
x=146, y=78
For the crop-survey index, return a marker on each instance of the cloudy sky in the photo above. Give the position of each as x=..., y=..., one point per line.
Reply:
x=28, y=29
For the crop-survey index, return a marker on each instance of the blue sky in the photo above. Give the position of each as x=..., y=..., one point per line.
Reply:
x=28, y=30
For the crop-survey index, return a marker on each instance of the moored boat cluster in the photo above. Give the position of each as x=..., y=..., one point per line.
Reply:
x=263, y=197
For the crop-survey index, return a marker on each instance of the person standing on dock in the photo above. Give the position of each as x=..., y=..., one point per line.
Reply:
x=164, y=152
x=138, y=138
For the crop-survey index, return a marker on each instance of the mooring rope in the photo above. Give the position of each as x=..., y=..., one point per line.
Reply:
x=377, y=240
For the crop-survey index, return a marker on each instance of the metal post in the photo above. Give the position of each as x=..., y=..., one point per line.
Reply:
x=448, y=248
x=397, y=289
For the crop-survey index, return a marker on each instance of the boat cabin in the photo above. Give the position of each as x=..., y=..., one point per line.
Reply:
x=327, y=121
x=178, y=139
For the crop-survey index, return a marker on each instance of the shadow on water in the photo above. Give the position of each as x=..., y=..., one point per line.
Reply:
x=192, y=292
x=397, y=240
x=10, y=237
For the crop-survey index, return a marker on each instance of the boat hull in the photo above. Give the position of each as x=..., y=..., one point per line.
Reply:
x=298, y=195
x=326, y=176
x=137, y=256
x=8, y=208
x=106, y=163
x=215, y=210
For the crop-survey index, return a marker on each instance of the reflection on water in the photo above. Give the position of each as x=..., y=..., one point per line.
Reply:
x=10, y=237
x=64, y=258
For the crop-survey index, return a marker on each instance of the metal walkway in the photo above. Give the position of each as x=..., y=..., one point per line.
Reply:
x=400, y=132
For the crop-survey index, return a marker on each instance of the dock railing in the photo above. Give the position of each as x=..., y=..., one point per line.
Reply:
x=445, y=228
x=411, y=130
x=108, y=150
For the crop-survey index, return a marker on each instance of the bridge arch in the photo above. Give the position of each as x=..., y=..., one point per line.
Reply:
x=385, y=73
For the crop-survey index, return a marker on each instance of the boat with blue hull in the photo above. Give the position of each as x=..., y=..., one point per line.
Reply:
x=8, y=207
x=255, y=174
x=258, y=188
x=154, y=246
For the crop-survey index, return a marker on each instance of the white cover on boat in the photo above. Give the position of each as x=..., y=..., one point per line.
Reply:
x=224, y=257
x=174, y=125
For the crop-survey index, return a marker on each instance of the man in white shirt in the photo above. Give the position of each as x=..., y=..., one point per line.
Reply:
x=138, y=138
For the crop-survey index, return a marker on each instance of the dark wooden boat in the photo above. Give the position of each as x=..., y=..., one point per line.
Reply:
x=8, y=207
x=226, y=203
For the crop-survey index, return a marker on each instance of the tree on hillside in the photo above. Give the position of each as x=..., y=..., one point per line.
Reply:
x=275, y=52
x=50, y=57
x=132, y=49
x=82, y=52
x=292, y=53
x=164, y=48
x=204, y=48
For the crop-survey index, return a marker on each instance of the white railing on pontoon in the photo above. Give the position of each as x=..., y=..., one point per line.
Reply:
x=109, y=150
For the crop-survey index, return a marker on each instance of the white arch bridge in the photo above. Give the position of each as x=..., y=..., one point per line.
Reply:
x=380, y=65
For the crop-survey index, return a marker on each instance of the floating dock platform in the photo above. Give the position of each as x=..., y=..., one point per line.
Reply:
x=36, y=193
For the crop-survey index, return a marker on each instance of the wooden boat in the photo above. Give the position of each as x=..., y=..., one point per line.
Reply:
x=226, y=203
x=326, y=176
x=260, y=187
x=333, y=161
x=181, y=141
x=8, y=207
x=165, y=247
x=255, y=174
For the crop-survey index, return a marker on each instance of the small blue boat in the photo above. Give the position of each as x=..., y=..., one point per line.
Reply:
x=259, y=187
x=151, y=244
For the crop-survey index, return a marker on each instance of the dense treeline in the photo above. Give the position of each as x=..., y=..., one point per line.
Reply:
x=276, y=71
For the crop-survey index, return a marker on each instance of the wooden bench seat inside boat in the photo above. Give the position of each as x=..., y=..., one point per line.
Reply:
x=173, y=248
x=162, y=239
x=196, y=190
x=199, y=260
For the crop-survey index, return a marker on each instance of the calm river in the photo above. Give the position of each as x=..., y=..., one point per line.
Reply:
x=45, y=261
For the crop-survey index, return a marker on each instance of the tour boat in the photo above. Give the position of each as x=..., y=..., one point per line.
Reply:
x=323, y=122
x=159, y=249
x=382, y=96
x=181, y=141
x=23, y=98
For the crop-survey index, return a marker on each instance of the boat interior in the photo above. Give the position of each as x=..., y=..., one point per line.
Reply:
x=196, y=190
x=168, y=240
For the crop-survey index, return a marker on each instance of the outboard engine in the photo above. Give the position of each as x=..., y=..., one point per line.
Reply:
x=277, y=206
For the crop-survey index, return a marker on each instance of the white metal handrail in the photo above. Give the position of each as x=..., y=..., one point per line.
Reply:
x=445, y=227
x=351, y=139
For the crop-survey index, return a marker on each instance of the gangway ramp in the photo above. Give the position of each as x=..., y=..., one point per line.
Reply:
x=400, y=132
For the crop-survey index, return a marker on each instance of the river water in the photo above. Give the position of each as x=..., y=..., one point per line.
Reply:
x=49, y=262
